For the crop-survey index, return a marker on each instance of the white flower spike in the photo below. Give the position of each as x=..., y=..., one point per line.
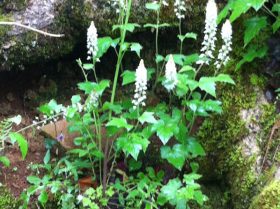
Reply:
x=180, y=8
x=223, y=56
x=140, y=86
x=171, y=79
x=208, y=44
x=92, y=41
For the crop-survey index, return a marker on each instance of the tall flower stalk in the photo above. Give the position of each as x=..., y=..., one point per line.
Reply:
x=92, y=45
x=223, y=56
x=124, y=16
x=140, y=86
x=171, y=79
x=208, y=44
x=180, y=9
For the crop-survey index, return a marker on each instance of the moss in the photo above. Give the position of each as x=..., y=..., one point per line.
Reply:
x=267, y=121
x=221, y=136
x=269, y=198
x=242, y=177
x=7, y=201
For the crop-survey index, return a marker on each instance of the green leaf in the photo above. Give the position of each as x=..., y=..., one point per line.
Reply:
x=99, y=88
x=190, y=59
x=115, y=42
x=253, y=27
x=163, y=25
x=23, y=145
x=251, y=54
x=239, y=7
x=134, y=165
x=102, y=85
x=128, y=27
x=34, y=180
x=181, y=87
x=79, y=152
x=132, y=144
x=47, y=157
x=175, y=156
x=116, y=108
x=223, y=14
x=104, y=44
x=224, y=78
x=136, y=47
x=43, y=197
x=75, y=99
x=276, y=8
x=164, y=131
x=153, y=6
x=276, y=24
x=257, y=4
x=208, y=85
x=119, y=123
x=147, y=117
x=194, y=147
x=187, y=35
x=5, y=161
x=159, y=58
x=128, y=77
x=170, y=190
x=88, y=66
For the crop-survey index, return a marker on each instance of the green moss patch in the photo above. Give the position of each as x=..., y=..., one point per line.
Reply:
x=7, y=201
x=269, y=198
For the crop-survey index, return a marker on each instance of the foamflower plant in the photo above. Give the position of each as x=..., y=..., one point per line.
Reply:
x=124, y=137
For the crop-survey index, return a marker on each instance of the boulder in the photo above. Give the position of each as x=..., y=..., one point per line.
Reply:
x=20, y=47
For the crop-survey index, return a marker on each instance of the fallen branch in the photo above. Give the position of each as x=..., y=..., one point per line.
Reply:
x=32, y=29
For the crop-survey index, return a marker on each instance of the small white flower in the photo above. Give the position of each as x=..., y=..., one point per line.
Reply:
x=92, y=41
x=223, y=56
x=140, y=85
x=171, y=79
x=80, y=198
x=208, y=44
x=180, y=8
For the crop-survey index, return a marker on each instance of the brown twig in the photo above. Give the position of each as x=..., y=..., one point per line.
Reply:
x=275, y=127
x=32, y=29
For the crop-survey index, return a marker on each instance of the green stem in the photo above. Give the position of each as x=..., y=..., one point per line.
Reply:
x=123, y=34
x=180, y=32
x=269, y=12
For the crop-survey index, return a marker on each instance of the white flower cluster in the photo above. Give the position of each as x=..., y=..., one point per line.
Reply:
x=223, y=56
x=92, y=41
x=180, y=8
x=208, y=44
x=92, y=100
x=118, y=5
x=140, y=85
x=171, y=79
x=40, y=122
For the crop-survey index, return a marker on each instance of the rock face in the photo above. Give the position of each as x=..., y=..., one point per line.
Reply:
x=70, y=17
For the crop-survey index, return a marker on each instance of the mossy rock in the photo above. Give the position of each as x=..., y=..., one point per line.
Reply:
x=7, y=201
x=269, y=198
x=21, y=48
